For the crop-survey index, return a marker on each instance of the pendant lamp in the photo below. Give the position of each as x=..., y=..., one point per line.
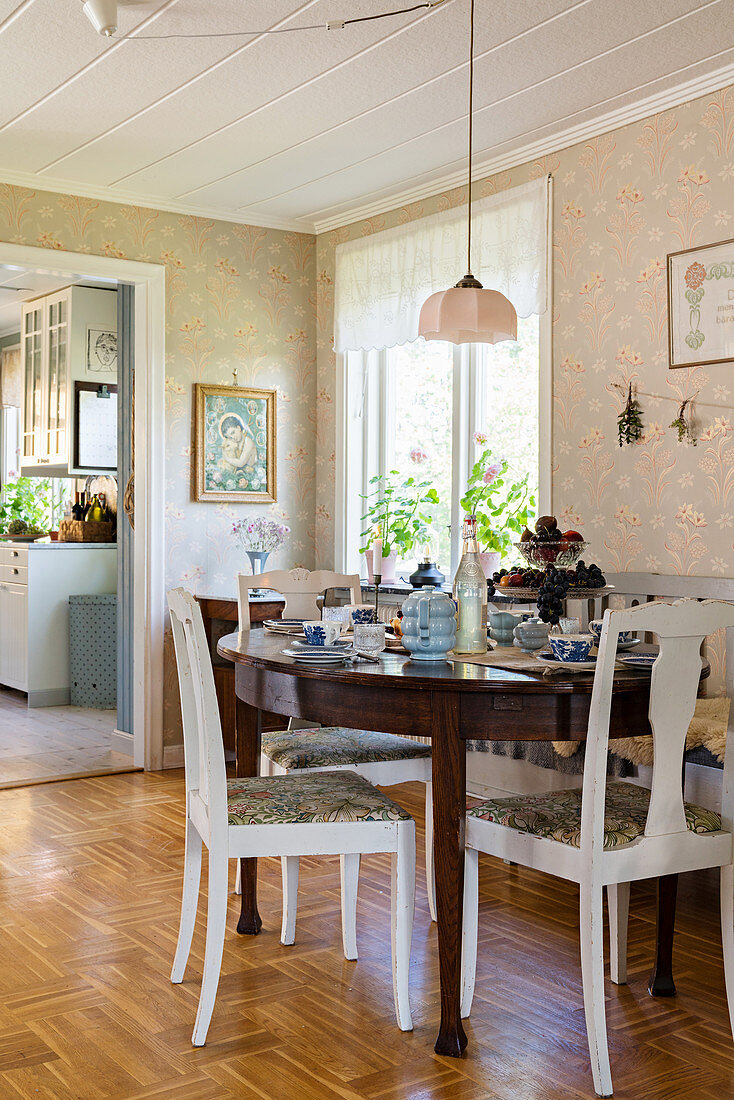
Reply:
x=467, y=313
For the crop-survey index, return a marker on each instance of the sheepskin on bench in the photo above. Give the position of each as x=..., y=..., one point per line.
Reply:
x=707, y=730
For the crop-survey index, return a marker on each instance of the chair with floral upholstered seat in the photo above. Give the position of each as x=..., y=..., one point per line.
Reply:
x=383, y=758
x=322, y=813
x=609, y=834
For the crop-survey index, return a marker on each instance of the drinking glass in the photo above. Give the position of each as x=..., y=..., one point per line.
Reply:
x=369, y=638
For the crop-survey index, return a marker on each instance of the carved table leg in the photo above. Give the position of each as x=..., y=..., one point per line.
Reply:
x=247, y=748
x=449, y=809
x=661, y=980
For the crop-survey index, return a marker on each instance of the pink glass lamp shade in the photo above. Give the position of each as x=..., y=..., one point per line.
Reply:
x=468, y=314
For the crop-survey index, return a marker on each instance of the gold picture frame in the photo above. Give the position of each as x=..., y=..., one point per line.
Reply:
x=701, y=305
x=234, y=444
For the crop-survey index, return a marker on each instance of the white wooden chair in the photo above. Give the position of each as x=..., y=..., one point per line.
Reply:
x=382, y=758
x=301, y=588
x=610, y=834
x=332, y=813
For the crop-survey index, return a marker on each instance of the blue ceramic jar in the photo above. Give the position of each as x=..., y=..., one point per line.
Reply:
x=429, y=624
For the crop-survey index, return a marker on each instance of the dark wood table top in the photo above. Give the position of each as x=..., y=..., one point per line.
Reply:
x=262, y=649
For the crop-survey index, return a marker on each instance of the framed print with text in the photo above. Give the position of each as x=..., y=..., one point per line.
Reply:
x=701, y=305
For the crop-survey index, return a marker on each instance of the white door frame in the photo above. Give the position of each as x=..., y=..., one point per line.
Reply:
x=149, y=281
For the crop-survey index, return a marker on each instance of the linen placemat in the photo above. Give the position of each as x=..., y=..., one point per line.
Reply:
x=511, y=659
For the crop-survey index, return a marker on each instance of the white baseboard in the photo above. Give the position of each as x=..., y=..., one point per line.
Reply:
x=173, y=756
x=122, y=742
x=490, y=776
x=49, y=697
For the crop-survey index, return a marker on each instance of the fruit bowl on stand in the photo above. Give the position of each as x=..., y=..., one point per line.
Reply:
x=561, y=552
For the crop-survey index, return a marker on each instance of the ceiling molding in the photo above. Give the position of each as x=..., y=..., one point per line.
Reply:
x=553, y=142
x=123, y=198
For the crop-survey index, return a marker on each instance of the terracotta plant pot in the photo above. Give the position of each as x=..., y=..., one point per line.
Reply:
x=490, y=560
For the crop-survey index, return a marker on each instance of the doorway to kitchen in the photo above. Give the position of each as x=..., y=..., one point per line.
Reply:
x=79, y=642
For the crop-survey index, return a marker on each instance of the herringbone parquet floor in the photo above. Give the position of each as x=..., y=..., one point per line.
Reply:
x=89, y=894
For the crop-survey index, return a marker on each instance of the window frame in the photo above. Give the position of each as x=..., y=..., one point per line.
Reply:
x=469, y=416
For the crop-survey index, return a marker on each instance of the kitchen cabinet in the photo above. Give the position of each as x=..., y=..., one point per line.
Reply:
x=55, y=331
x=36, y=581
x=14, y=635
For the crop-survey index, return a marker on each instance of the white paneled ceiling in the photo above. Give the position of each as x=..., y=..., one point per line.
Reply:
x=309, y=129
x=21, y=284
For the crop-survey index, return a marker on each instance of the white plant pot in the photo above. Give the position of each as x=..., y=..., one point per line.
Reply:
x=490, y=560
x=388, y=568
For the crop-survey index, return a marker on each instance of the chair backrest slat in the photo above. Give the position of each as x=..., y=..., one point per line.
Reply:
x=203, y=744
x=300, y=587
x=681, y=628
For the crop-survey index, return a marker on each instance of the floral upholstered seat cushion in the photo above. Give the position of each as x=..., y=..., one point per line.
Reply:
x=295, y=799
x=557, y=815
x=335, y=745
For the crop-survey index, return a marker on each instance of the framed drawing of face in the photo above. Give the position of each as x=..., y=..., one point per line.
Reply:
x=234, y=444
x=101, y=352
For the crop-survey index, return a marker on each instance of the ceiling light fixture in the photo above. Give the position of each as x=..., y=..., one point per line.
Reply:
x=102, y=14
x=467, y=313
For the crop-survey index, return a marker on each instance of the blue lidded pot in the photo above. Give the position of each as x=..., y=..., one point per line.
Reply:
x=429, y=624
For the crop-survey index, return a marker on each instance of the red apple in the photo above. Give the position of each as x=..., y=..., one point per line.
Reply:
x=573, y=536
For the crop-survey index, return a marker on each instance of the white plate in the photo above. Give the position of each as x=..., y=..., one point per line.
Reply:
x=622, y=647
x=639, y=660
x=285, y=626
x=337, y=647
x=315, y=659
x=578, y=666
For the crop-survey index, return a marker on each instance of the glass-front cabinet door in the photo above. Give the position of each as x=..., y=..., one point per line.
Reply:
x=34, y=442
x=55, y=410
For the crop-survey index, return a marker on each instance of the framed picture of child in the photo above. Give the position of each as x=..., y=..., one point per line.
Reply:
x=234, y=444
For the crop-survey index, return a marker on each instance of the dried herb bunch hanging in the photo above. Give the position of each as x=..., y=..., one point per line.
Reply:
x=629, y=421
x=683, y=423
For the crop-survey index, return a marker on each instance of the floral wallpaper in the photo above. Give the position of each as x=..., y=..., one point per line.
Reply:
x=262, y=301
x=237, y=296
x=621, y=202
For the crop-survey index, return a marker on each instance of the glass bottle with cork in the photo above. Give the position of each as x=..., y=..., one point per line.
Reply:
x=470, y=594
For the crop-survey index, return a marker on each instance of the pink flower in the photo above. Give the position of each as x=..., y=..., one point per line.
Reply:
x=418, y=455
x=480, y=438
x=491, y=473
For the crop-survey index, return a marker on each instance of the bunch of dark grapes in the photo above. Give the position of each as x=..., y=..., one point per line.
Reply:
x=552, y=595
x=588, y=576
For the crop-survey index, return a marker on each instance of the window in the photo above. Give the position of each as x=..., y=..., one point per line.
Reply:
x=428, y=399
x=401, y=398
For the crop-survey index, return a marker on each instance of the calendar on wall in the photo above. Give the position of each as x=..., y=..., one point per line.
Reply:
x=95, y=422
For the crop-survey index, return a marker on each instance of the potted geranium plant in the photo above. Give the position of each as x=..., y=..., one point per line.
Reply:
x=399, y=515
x=501, y=505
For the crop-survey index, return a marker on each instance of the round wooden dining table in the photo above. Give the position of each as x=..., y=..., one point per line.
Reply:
x=452, y=703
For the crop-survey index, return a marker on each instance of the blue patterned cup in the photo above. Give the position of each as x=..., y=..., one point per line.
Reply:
x=595, y=626
x=360, y=613
x=571, y=648
x=318, y=633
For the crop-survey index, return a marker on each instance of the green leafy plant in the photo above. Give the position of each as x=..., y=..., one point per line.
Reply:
x=682, y=424
x=400, y=511
x=26, y=505
x=501, y=505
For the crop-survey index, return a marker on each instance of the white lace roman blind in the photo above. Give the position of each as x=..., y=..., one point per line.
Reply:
x=383, y=280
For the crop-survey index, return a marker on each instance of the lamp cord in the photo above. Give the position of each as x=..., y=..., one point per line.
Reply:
x=333, y=24
x=471, y=128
